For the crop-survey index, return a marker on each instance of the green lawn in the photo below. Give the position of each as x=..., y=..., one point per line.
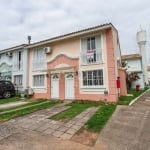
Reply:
x=8, y=100
x=27, y=110
x=76, y=108
x=100, y=118
x=96, y=122
x=33, y=102
x=125, y=100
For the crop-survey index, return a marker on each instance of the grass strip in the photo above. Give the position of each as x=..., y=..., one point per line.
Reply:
x=75, y=109
x=100, y=118
x=20, y=108
x=8, y=100
x=24, y=105
x=27, y=110
x=125, y=100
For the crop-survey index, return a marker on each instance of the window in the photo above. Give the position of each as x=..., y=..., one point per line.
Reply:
x=38, y=80
x=18, y=61
x=91, y=43
x=92, y=78
x=91, y=51
x=39, y=59
x=18, y=79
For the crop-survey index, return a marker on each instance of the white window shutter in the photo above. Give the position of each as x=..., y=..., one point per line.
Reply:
x=99, y=48
x=83, y=50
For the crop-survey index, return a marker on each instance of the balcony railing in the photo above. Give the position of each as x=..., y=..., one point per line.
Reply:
x=91, y=57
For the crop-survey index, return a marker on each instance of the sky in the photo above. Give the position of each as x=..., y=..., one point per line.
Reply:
x=43, y=19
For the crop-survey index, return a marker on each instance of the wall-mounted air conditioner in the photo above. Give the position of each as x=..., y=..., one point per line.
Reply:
x=48, y=50
x=10, y=54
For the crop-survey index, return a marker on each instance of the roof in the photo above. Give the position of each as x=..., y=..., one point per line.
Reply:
x=73, y=34
x=13, y=48
x=131, y=56
x=62, y=37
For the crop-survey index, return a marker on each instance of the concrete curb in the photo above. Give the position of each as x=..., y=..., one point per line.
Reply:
x=134, y=100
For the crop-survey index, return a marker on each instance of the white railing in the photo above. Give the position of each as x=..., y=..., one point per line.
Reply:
x=91, y=57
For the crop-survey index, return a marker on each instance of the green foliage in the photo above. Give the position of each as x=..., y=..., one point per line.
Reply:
x=27, y=110
x=76, y=108
x=100, y=118
x=125, y=100
x=33, y=102
x=124, y=64
x=130, y=77
x=8, y=100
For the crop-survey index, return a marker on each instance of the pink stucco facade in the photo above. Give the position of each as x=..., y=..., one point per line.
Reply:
x=65, y=59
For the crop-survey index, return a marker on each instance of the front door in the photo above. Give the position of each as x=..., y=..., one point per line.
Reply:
x=55, y=86
x=69, y=86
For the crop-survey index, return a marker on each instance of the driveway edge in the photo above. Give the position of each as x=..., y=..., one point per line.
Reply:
x=134, y=100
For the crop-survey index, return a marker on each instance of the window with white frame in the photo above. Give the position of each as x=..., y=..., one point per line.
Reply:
x=91, y=50
x=38, y=80
x=18, y=60
x=92, y=78
x=18, y=79
x=39, y=59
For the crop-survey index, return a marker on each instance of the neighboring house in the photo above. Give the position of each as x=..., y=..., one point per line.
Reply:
x=134, y=64
x=148, y=72
x=79, y=65
x=13, y=65
x=138, y=62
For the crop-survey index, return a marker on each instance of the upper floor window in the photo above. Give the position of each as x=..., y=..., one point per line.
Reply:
x=91, y=43
x=18, y=60
x=91, y=50
x=39, y=59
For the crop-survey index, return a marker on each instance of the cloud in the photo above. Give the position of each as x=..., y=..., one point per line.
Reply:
x=43, y=19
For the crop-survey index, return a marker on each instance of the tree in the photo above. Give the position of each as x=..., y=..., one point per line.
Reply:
x=130, y=77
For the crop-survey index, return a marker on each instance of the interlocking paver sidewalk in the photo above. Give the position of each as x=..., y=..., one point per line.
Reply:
x=38, y=121
x=76, y=123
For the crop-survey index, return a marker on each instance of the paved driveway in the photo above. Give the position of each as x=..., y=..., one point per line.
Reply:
x=129, y=127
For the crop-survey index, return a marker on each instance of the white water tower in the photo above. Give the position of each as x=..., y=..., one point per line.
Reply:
x=141, y=40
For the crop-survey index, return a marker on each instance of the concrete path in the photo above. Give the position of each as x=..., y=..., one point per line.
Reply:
x=129, y=127
x=12, y=104
x=23, y=107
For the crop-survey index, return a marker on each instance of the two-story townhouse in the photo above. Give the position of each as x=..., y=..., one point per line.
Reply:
x=79, y=65
x=13, y=65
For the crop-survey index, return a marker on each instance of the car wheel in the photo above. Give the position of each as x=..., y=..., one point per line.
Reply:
x=7, y=94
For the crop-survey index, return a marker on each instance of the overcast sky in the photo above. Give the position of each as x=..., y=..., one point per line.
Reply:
x=44, y=19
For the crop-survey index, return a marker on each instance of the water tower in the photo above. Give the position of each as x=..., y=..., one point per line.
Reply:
x=141, y=40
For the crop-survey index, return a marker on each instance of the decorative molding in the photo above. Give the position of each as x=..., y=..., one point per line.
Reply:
x=61, y=55
x=5, y=67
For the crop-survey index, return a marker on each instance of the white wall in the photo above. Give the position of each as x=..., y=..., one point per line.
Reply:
x=139, y=81
x=134, y=65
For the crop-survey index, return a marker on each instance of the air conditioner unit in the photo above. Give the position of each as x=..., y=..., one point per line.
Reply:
x=9, y=54
x=48, y=50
